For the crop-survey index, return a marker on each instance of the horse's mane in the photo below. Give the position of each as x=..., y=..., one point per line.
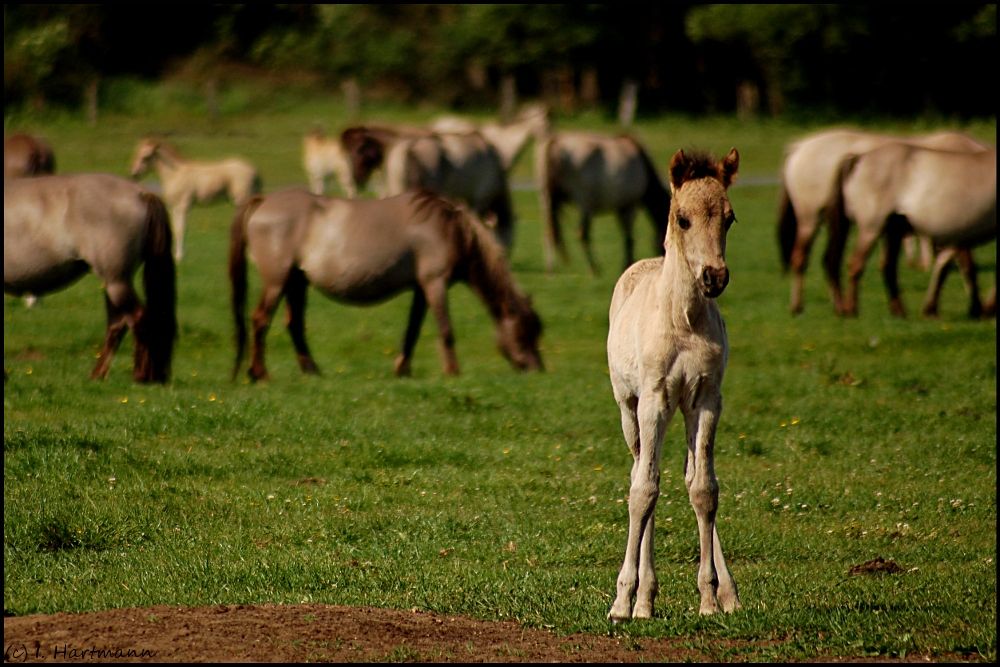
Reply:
x=485, y=258
x=169, y=151
x=699, y=164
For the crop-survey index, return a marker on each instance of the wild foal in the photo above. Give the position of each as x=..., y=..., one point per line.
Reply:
x=667, y=349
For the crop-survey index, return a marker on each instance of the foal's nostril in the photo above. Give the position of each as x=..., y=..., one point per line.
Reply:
x=706, y=277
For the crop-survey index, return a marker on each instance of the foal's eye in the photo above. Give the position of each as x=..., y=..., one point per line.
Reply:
x=683, y=223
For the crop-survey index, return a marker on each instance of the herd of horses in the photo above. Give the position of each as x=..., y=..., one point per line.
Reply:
x=445, y=215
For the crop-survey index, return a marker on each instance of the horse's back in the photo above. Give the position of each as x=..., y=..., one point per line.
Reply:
x=598, y=172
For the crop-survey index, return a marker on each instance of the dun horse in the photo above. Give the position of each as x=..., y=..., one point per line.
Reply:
x=186, y=182
x=365, y=251
x=25, y=155
x=807, y=179
x=508, y=139
x=597, y=174
x=463, y=167
x=56, y=228
x=667, y=349
x=949, y=197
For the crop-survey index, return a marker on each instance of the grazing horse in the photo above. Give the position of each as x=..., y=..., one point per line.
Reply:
x=950, y=197
x=462, y=167
x=186, y=182
x=509, y=139
x=807, y=181
x=56, y=228
x=667, y=349
x=597, y=174
x=24, y=155
x=364, y=251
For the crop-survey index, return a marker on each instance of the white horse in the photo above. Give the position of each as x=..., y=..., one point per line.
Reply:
x=509, y=139
x=597, y=174
x=667, y=349
x=807, y=180
x=322, y=156
x=186, y=182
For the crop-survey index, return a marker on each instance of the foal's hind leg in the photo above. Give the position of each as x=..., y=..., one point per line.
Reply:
x=417, y=312
x=123, y=310
x=261, y=322
x=295, y=292
x=626, y=216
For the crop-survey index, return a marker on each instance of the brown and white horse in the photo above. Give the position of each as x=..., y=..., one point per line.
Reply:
x=363, y=251
x=597, y=174
x=24, y=155
x=950, y=197
x=56, y=228
x=186, y=182
x=807, y=182
x=667, y=350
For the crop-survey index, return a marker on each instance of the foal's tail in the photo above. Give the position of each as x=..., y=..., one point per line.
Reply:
x=159, y=281
x=549, y=198
x=238, y=275
x=788, y=225
x=837, y=221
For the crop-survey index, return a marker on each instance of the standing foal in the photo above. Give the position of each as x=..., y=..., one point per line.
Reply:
x=667, y=349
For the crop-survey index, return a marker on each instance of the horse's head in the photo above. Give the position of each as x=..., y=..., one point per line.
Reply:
x=365, y=153
x=701, y=215
x=143, y=157
x=517, y=334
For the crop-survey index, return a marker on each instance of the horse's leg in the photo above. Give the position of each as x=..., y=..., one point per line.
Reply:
x=910, y=250
x=295, y=293
x=626, y=216
x=990, y=303
x=800, y=259
x=890, y=265
x=436, y=293
x=585, y=221
x=862, y=248
x=178, y=220
x=261, y=322
x=703, y=492
x=942, y=265
x=122, y=304
x=967, y=267
x=417, y=312
x=653, y=417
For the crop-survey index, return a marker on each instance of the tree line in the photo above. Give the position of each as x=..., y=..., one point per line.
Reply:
x=771, y=59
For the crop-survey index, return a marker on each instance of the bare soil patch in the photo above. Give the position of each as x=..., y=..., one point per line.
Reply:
x=308, y=632
x=877, y=565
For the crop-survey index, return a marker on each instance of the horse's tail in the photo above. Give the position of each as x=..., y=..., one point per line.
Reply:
x=238, y=275
x=549, y=200
x=837, y=221
x=656, y=199
x=788, y=225
x=159, y=282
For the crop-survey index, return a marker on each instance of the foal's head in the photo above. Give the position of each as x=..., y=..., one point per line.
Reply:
x=143, y=157
x=701, y=215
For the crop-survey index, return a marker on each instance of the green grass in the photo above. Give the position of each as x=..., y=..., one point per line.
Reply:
x=497, y=494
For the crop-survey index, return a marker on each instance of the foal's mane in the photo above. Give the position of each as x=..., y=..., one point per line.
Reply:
x=484, y=261
x=699, y=164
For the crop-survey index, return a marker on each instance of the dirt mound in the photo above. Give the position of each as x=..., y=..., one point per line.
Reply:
x=292, y=633
x=877, y=565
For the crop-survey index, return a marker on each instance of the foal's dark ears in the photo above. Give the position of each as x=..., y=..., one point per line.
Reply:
x=678, y=167
x=728, y=166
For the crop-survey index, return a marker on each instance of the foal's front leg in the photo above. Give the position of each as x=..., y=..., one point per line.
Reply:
x=653, y=417
x=436, y=293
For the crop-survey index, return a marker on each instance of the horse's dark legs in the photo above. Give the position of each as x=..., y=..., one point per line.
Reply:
x=797, y=265
x=417, y=312
x=124, y=310
x=890, y=265
x=626, y=216
x=436, y=293
x=585, y=222
x=261, y=322
x=295, y=293
x=967, y=266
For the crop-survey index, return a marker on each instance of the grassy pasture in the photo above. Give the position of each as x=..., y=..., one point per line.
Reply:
x=496, y=494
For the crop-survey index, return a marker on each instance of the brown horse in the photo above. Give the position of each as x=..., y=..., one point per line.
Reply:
x=364, y=251
x=24, y=155
x=56, y=228
x=365, y=148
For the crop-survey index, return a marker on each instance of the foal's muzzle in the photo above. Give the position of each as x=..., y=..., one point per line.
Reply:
x=714, y=280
